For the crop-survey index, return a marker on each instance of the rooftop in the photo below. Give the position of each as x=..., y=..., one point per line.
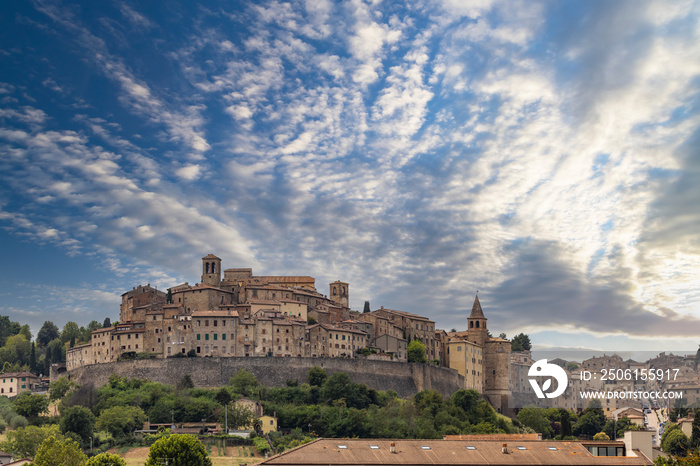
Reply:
x=452, y=452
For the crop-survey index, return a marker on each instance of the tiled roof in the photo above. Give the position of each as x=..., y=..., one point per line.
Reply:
x=477, y=313
x=449, y=452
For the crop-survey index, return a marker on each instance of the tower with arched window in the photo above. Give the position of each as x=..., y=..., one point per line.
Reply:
x=476, y=324
x=340, y=293
x=211, y=270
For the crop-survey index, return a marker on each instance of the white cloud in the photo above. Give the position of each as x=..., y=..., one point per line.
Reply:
x=189, y=172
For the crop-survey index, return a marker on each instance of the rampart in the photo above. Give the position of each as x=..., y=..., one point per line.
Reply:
x=404, y=378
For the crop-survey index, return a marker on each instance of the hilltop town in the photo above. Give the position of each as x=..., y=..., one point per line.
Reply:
x=234, y=313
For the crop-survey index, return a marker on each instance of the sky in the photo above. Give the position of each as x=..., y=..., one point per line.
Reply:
x=545, y=154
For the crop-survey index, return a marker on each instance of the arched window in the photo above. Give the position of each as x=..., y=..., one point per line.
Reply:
x=207, y=267
x=335, y=291
x=471, y=324
x=213, y=267
x=343, y=291
x=477, y=324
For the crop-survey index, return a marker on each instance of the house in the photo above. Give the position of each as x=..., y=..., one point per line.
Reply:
x=458, y=452
x=13, y=383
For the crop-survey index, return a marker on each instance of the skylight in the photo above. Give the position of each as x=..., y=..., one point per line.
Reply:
x=553, y=448
x=469, y=447
x=374, y=447
x=343, y=447
x=522, y=448
x=425, y=447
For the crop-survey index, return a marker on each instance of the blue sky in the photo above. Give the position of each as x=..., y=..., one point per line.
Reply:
x=543, y=153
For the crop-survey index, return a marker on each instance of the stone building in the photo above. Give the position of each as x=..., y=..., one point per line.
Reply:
x=234, y=313
x=495, y=354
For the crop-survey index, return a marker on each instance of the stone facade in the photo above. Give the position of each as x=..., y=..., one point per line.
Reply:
x=495, y=353
x=404, y=378
x=249, y=316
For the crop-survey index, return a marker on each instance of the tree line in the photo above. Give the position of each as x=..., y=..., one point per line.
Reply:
x=19, y=352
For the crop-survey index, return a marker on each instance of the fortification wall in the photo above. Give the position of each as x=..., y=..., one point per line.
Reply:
x=406, y=379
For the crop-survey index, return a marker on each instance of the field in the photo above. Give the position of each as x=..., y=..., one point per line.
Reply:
x=232, y=455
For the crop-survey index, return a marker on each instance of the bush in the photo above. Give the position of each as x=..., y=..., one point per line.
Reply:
x=18, y=421
x=3, y=425
x=261, y=445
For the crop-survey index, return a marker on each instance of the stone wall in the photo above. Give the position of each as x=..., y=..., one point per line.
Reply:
x=406, y=379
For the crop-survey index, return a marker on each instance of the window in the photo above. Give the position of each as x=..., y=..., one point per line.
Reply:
x=469, y=447
x=223, y=336
x=198, y=336
x=199, y=350
x=206, y=336
x=425, y=447
x=216, y=336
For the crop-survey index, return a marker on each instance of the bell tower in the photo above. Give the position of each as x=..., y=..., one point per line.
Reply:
x=476, y=324
x=211, y=270
x=340, y=293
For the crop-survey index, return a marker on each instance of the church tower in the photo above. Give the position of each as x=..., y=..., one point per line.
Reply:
x=476, y=324
x=211, y=270
x=340, y=293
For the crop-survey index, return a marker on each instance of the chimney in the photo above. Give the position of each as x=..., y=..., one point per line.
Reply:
x=392, y=447
x=504, y=448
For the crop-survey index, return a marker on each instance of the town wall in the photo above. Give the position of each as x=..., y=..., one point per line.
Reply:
x=404, y=378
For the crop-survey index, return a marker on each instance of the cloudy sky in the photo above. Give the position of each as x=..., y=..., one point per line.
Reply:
x=544, y=153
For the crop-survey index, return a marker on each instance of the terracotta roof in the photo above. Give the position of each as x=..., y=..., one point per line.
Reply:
x=477, y=313
x=287, y=278
x=506, y=437
x=211, y=256
x=452, y=452
x=215, y=312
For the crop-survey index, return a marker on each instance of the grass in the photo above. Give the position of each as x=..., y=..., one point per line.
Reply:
x=219, y=457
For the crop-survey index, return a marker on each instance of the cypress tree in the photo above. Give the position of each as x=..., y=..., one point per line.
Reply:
x=32, y=360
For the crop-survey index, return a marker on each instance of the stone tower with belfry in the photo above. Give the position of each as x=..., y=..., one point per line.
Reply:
x=211, y=270
x=340, y=293
x=496, y=359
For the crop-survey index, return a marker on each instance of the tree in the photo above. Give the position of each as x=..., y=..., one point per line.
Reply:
x=590, y=423
x=70, y=330
x=502, y=336
x=337, y=386
x=565, y=420
x=106, y=459
x=121, y=421
x=87, y=331
x=535, y=419
x=30, y=405
x=59, y=452
x=239, y=416
x=18, y=348
x=107, y=323
x=244, y=382
x=32, y=359
x=24, y=441
x=520, y=342
x=695, y=432
x=674, y=442
x=571, y=366
x=78, y=420
x=169, y=297
x=366, y=308
x=48, y=332
x=185, y=383
x=223, y=397
x=416, y=351
x=601, y=436
x=7, y=329
x=179, y=450
x=316, y=376
x=59, y=387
